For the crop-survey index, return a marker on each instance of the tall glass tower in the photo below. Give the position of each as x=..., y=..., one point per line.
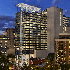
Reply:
x=33, y=30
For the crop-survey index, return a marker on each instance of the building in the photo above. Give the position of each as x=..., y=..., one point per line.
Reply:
x=54, y=26
x=36, y=31
x=32, y=33
x=62, y=49
x=66, y=24
x=10, y=33
x=4, y=44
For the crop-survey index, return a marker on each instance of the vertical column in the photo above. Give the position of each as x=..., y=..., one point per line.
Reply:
x=21, y=38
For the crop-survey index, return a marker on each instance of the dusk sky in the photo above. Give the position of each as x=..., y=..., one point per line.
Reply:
x=8, y=10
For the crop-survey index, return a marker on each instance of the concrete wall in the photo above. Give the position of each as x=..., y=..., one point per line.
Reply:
x=41, y=53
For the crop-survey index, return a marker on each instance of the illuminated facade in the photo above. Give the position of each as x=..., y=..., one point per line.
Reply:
x=34, y=33
x=62, y=49
x=66, y=24
x=4, y=44
x=10, y=33
x=39, y=30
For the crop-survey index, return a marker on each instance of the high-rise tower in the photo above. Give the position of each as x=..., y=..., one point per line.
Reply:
x=54, y=26
x=31, y=31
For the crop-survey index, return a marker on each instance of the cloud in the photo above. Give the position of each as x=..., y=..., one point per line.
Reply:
x=66, y=12
x=6, y=21
x=9, y=25
x=38, y=5
x=56, y=2
x=7, y=18
x=1, y=32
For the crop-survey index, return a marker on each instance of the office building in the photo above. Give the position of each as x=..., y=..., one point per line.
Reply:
x=4, y=44
x=10, y=33
x=34, y=34
x=34, y=30
x=54, y=26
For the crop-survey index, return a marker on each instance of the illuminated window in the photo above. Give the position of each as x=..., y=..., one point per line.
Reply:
x=60, y=18
x=60, y=12
x=64, y=58
x=69, y=46
x=14, y=33
x=69, y=41
x=5, y=41
x=17, y=48
x=3, y=38
x=65, y=28
x=5, y=47
x=2, y=52
x=69, y=57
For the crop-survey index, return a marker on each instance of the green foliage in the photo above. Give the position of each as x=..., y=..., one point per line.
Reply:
x=3, y=62
x=65, y=66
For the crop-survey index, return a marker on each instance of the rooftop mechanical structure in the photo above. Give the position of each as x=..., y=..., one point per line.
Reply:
x=28, y=7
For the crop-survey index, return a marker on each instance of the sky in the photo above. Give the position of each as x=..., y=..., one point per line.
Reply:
x=8, y=10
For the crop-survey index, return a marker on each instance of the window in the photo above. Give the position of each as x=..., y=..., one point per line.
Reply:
x=69, y=46
x=69, y=57
x=5, y=41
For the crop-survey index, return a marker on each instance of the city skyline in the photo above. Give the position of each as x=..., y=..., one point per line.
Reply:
x=7, y=15
x=35, y=33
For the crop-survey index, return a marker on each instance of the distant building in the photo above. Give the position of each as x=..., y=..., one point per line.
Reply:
x=66, y=24
x=4, y=44
x=62, y=49
x=8, y=39
x=10, y=32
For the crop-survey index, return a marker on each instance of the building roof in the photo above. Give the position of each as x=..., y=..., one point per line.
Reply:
x=64, y=33
x=2, y=36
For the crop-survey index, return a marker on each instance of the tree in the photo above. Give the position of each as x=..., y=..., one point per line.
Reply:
x=4, y=62
x=11, y=56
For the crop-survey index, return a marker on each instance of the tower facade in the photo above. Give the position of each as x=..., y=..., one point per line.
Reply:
x=54, y=26
x=66, y=24
x=62, y=49
x=10, y=32
x=34, y=34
